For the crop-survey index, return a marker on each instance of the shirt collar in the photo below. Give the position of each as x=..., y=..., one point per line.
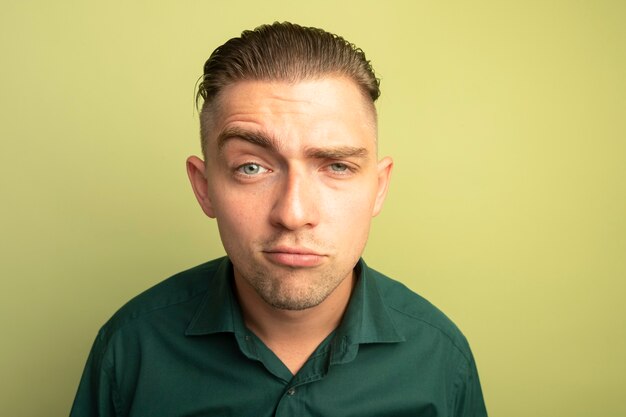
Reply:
x=366, y=320
x=219, y=310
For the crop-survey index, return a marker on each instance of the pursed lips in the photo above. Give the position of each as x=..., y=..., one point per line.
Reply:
x=295, y=257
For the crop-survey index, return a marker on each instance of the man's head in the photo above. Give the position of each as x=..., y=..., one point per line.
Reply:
x=291, y=173
x=283, y=52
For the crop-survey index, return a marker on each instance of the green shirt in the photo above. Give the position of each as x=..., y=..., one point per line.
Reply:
x=182, y=349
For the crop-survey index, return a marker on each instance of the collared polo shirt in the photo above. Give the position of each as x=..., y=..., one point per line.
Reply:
x=182, y=349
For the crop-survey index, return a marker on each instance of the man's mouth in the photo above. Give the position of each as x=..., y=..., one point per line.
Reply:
x=295, y=257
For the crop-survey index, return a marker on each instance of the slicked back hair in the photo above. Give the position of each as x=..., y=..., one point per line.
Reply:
x=282, y=52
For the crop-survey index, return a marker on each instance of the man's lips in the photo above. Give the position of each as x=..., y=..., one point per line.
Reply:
x=294, y=257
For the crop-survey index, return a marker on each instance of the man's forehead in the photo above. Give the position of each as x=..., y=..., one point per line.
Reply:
x=301, y=91
x=330, y=96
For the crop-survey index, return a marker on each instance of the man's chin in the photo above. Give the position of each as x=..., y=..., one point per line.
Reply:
x=296, y=289
x=293, y=304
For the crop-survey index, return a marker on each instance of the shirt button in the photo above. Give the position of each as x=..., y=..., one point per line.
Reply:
x=291, y=391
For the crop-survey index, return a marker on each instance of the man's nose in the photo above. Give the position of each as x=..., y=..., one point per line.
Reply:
x=296, y=202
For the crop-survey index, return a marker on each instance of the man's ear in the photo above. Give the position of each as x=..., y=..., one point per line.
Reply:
x=197, y=177
x=385, y=166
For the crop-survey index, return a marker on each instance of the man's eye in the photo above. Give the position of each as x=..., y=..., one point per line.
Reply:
x=251, y=169
x=338, y=167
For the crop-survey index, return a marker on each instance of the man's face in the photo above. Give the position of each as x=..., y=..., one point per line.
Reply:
x=293, y=181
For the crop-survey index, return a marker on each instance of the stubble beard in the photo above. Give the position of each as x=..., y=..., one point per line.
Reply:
x=294, y=289
x=291, y=288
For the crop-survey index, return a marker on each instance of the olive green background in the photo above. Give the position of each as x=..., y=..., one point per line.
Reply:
x=506, y=120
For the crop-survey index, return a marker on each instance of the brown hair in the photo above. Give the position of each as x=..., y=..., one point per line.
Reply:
x=283, y=52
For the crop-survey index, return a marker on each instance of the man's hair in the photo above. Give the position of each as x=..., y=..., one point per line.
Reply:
x=283, y=52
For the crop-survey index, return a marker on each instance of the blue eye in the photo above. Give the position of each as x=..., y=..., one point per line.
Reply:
x=251, y=169
x=338, y=167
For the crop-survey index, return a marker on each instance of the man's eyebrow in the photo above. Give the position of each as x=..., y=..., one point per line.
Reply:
x=260, y=139
x=254, y=137
x=336, y=152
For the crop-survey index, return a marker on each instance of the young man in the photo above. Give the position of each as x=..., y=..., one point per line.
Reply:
x=292, y=322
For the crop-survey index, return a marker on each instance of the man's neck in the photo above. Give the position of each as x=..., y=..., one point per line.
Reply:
x=293, y=335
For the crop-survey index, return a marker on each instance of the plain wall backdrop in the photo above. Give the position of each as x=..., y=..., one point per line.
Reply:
x=507, y=208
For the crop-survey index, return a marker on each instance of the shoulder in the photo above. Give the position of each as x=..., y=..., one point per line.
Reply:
x=416, y=317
